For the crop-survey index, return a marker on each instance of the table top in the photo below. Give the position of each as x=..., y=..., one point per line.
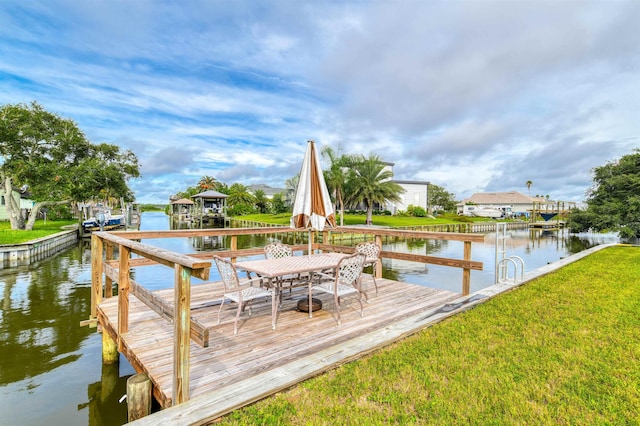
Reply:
x=271, y=268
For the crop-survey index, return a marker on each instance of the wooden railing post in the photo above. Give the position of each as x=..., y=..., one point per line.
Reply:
x=233, y=245
x=96, y=274
x=466, y=272
x=181, y=329
x=123, y=293
x=108, y=282
x=378, y=265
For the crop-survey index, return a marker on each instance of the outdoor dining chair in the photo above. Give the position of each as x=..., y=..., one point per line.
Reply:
x=279, y=250
x=346, y=281
x=372, y=251
x=240, y=292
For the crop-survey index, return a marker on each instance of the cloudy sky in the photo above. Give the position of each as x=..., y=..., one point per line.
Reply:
x=473, y=96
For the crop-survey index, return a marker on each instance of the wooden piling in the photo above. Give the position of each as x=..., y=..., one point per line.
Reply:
x=138, y=396
x=109, y=349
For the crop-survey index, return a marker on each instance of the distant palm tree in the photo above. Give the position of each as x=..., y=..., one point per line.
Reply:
x=290, y=189
x=336, y=177
x=208, y=182
x=370, y=183
x=529, y=183
x=239, y=194
x=261, y=201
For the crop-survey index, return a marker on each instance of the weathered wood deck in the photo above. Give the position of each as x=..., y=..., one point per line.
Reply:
x=257, y=349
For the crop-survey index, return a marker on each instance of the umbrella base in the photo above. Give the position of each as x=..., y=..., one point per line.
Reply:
x=303, y=304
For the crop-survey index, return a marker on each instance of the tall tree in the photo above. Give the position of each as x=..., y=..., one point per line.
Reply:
x=529, y=183
x=371, y=183
x=261, y=201
x=440, y=198
x=54, y=159
x=336, y=176
x=613, y=202
x=291, y=185
x=208, y=182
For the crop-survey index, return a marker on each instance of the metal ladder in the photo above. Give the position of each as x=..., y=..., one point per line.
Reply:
x=503, y=261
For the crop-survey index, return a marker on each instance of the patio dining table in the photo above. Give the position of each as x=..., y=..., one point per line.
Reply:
x=273, y=268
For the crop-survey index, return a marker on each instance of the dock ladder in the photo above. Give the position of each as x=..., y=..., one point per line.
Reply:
x=503, y=261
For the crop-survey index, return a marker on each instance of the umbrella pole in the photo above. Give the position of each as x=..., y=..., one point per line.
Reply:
x=309, y=242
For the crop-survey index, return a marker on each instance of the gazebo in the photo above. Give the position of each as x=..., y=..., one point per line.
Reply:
x=182, y=208
x=212, y=203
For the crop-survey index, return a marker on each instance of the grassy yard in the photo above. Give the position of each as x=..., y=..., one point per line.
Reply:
x=7, y=236
x=563, y=349
x=359, y=219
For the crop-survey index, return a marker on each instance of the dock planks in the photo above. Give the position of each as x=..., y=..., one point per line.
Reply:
x=257, y=352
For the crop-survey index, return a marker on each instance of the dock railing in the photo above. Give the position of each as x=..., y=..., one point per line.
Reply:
x=104, y=264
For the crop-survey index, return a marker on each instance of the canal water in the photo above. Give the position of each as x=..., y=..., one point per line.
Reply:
x=51, y=370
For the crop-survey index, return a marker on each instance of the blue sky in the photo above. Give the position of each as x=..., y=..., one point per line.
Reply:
x=473, y=96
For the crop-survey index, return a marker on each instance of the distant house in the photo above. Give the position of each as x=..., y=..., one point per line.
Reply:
x=269, y=192
x=415, y=193
x=519, y=204
x=22, y=197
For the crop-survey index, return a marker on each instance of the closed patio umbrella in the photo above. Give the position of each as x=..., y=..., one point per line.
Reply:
x=312, y=207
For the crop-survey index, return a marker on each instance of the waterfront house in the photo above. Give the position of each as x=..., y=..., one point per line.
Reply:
x=519, y=204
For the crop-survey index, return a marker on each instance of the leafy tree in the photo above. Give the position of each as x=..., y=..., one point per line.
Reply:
x=261, y=201
x=529, y=183
x=369, y=183
x=440, y=199
x=614, y=199
x=278, y=205
x=336, y=177
x=55, y=160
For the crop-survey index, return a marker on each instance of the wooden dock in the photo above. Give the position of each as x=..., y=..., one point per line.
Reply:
x=258, y=350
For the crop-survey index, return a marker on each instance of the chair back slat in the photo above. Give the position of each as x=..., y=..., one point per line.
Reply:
x=228, y=273
x=350, y=268
x=277, y=251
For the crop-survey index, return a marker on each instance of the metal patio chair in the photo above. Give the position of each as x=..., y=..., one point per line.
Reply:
x=346, y=281
x=241, y=292
x=372, y=251
x=279, y=250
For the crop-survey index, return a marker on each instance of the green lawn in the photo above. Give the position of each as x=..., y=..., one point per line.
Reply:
x=40, y=229
x=563, y=349
x=355, y=219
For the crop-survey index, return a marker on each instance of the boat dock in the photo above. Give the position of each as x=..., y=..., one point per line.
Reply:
x=201, y=369
x=257, y=351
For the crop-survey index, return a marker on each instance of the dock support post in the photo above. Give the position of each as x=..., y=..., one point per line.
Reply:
x=138, y=396
x=123, y=294
x=109, y=349
x=466, y=272
x=181, y=334
x=96, y=274
x=108, y=282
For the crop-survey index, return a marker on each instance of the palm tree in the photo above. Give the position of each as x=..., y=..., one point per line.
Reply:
x=239, y=194
x=371, y=183
x=290, y=189
x=261, y=201
x=529, y=183
x=336, y=177
x=208, y=182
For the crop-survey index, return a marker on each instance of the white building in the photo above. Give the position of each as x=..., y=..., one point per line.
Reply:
x=518, y=203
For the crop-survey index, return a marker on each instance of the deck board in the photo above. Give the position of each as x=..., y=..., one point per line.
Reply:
x=257, y=349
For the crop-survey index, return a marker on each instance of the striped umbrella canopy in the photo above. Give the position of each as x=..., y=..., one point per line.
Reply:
x=312, y=207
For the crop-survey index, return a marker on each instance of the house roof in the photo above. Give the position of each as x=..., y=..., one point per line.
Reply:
x=182, y=201
x=513, y=197
x=210, y=194
x=268, y=190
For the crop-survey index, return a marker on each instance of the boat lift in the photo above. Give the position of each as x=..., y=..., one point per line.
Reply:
x=503, y=261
